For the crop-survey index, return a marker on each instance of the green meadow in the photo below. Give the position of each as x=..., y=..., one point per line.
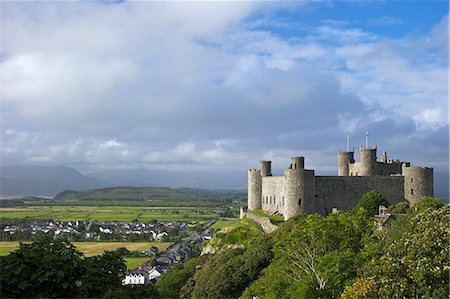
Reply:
x=108, y=213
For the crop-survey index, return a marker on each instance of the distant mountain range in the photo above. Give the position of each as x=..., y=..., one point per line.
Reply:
x=44, y=180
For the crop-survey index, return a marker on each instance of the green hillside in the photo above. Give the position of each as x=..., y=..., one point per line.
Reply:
x=151, y=194
x=342, y=255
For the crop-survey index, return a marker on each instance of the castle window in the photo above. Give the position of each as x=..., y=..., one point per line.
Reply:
x=351, y=173
x=412, y=191
x=356, y=174
x=299, y=201
x=274, y=200
x=412, y=180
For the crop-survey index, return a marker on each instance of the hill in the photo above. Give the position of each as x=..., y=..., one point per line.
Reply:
x=44, y=180
x=150, y=194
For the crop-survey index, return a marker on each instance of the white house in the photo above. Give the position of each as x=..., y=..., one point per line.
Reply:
x=136, y=277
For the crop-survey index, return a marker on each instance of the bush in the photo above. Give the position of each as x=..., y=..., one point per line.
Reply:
x=371, y=201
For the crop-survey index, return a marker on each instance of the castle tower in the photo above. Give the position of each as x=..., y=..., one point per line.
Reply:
x=344, y=160
x=418, y=182
x=297, y=162
x=265, y=167
x=299, y=192
x=368, y=158
x=254, y=189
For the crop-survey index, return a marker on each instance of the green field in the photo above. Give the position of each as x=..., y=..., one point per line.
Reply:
x=134, y=262
x=108, y=213
x=95, y=248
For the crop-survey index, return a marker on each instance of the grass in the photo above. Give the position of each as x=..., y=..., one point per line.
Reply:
x=134, y=262
x=239, y=232
x=276, y=218
x=108, y=213
x=95, y=248
x=219, y=224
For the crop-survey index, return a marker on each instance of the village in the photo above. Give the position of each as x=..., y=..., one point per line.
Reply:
x=187, y=238
x=99, y=231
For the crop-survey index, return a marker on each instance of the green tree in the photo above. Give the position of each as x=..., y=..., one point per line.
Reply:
x=427, y=202
x=371, y=201
x=316, y=257
x=170, y=284
x=229, y=272
x=416, y=265
x=50, y=268
x=45, y=268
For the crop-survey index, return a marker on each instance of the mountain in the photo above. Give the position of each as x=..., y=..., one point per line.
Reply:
x=204, y=179
x=44, y=180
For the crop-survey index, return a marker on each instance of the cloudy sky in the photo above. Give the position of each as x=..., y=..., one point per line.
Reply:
x=208, y=89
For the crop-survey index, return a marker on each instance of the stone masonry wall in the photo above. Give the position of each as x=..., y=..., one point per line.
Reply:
x=272, y=193
x=265, y=223
x=345, y=193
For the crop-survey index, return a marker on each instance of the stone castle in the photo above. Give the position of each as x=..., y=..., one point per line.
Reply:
x=301, y=191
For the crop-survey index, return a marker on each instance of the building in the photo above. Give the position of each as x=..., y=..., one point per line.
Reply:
x=136, y=277
x=299, y=190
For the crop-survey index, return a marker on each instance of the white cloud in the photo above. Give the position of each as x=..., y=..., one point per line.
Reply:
x=154, y=85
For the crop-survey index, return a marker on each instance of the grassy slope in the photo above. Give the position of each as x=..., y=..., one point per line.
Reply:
x=276, y=218
x=236, y=233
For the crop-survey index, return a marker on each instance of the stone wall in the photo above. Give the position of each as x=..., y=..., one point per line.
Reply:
x=272, y=193
x=265, y=223
x=345, y=193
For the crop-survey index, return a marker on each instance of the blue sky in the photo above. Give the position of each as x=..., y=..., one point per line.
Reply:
x=194, y=93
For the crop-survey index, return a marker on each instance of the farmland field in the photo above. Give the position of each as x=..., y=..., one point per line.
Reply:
x=95, y=248
x=108, y=213
x=134, y=262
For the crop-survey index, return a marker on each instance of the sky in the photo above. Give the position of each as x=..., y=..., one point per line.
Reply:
x=204, y=90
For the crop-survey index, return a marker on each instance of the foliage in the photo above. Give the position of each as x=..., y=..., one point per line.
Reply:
x=416, y=265
x=371, y=201
x=427, y=202
x=55, y=268
x=399, y=208
x=170, y=284
x=315, y=257
x=228, y=272
x=360, y=289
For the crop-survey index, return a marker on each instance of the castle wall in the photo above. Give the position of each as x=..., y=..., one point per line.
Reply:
x=344, y=160
x=354, y=169
x=368, y=161
x=299, y=192
x=272, y=193
x=254, y=189
x=388, y=168
x=345, y=193
x=265, y=168
x=418, y=183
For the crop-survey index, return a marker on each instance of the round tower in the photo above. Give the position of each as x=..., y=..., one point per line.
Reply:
x=297, y=162
x=418, y=182
x=266, y=168
x=368, y=158
x=299, y=192
x=254, y=190
x=344, y=160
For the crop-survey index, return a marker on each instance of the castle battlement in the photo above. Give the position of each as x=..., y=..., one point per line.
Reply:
x=299, y=190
